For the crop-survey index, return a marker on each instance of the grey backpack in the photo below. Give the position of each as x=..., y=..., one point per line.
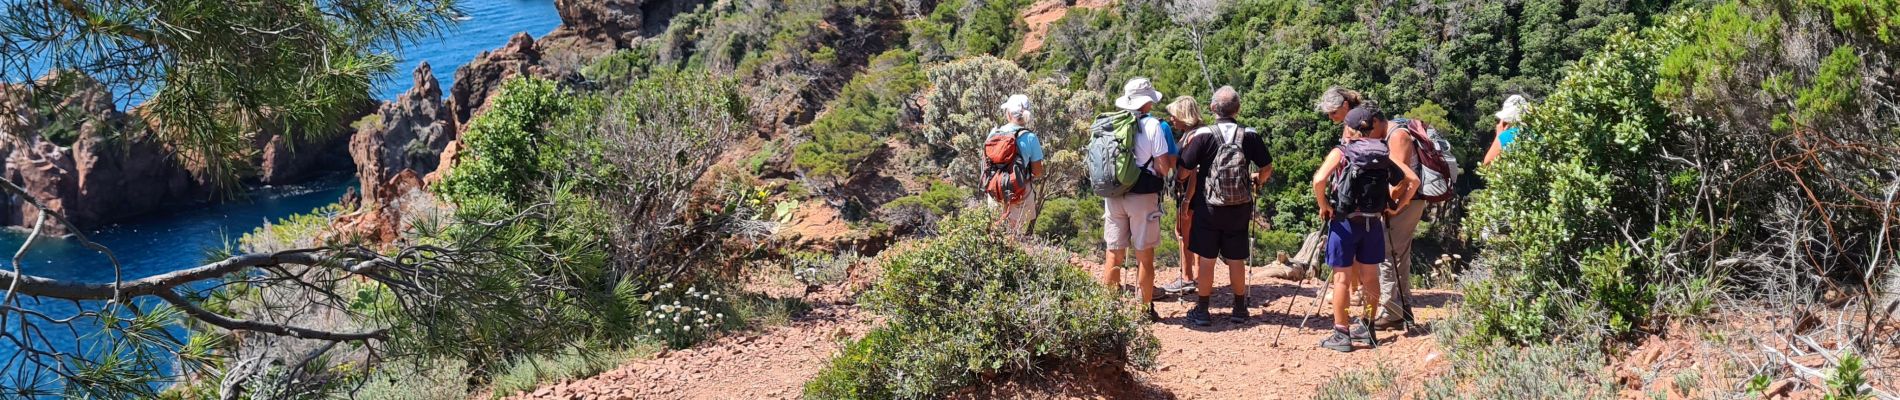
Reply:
x=1229, y=181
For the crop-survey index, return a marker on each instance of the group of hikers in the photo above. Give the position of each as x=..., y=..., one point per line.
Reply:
x=1372, y=191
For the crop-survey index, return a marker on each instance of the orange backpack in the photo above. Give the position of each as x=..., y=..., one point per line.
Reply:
x=1005, y=176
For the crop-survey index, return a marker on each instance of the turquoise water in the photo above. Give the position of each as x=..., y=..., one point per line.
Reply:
x=166, y=242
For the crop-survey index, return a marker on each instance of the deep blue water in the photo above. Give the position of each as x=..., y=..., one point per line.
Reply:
x=486, y=26
x=161, y=243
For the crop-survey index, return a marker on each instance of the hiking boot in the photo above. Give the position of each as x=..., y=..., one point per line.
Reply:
x=1199, y=316
x=1388, y=323
x=1178, y=287
x=1340, y=342
x=1240, y=314
x=1362, y=333
x=1152, y=315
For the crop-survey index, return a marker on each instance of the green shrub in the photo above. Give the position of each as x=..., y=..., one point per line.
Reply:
x=1576, y=188
x=414, y=380
x=508, y=146
x=1075, y=223
x=970, y=303
x=1362, y=384
x=921, y=211
x=579, y=361
x=855, y=123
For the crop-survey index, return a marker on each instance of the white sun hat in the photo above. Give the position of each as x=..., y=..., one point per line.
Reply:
x=1138, y=92
x=1017, y=104
x=1513, y=110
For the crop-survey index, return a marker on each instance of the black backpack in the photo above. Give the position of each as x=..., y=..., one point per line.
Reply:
x=1361, y=184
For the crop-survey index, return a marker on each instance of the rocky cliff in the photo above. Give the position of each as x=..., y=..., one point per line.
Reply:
x=72, y=150
x=407, y=134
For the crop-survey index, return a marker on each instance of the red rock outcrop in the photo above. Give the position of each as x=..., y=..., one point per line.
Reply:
x=407, y=134
x=87, y=160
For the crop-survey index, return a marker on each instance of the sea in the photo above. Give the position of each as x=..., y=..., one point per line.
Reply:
x=165, y=242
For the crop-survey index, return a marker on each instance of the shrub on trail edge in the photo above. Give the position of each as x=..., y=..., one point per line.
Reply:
x=971, y=303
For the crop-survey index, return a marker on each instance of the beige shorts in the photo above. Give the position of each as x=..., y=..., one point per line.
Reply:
x=1132, y=221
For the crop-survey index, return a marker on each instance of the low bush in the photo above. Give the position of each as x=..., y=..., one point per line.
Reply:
x=971, y=303
x=581, y=360
x=1075, y=223
x=921, y=211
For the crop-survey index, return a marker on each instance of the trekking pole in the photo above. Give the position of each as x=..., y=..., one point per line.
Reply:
x=1289, y=310
x=1319, y=296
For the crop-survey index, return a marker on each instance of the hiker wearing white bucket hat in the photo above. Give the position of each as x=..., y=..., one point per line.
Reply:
x=1138, y=95
x=1132, y=220
x=1510, y=120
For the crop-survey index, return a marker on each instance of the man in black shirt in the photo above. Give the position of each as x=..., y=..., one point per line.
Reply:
x=1231, y=163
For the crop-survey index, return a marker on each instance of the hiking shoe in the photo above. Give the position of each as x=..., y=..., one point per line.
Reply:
x=1388, y=323
x=1199, y=317
x=1340, y=342
x=1362, y=333
x=1178, y=287
x=1152, y=315
x=1240, y=314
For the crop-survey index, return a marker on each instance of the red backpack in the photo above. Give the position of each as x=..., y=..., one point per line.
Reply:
x=1005, y=176
x=1437, y=169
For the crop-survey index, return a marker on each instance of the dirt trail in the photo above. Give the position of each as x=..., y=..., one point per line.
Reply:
x=1223, y=361
x=1238, y=361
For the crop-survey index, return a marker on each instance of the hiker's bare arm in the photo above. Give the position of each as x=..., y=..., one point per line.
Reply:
x=1035, y=169
x=1260, y=177
x=1403, y=192
x=1164, y=163
x=1497, y=146
x=1319, y=183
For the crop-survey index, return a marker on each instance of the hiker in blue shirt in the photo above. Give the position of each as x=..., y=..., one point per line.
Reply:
x=1510, y=120
x=1028, y=160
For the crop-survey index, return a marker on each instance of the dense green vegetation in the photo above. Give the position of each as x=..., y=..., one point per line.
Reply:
x=972, y=302
x=1625, y=187
x=1680, y=154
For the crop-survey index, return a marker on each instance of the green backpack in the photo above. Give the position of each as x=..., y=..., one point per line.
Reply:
x=1111, y=154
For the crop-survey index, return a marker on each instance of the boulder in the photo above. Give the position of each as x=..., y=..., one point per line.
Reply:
x=407, y=134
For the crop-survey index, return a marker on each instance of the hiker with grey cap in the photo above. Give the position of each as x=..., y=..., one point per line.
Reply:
x=1012, y=160
x=1229, y=163
x=1427, y=154
x=1359, y=186
x=1127, y=155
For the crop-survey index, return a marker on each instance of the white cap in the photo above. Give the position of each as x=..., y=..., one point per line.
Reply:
x=1138, y=92
x=1513, y=111
x=1017, y=104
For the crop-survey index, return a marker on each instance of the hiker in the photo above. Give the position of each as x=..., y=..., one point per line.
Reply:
x=1507, y=129
x=1126, y=158
x=1229, y=163
x=1358, y=186
x=1012, y=158
x=1184, y=115
x=1420, y=149
x=1336, y=101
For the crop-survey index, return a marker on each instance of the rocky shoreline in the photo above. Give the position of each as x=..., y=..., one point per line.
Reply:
x=67, y=143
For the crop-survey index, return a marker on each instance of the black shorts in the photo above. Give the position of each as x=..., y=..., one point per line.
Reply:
x=1207, y=241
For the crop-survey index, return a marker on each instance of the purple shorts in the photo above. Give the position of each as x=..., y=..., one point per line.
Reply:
x=1355, y=239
